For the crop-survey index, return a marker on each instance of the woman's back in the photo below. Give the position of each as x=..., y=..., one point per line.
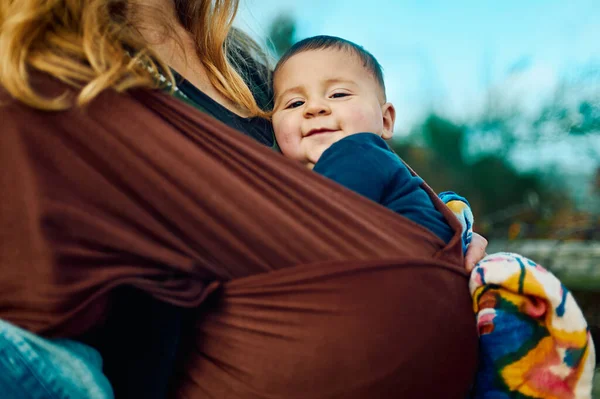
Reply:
x=300, y=287
x=143, y=190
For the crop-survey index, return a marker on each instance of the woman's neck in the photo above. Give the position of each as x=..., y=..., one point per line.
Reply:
x=157, y=22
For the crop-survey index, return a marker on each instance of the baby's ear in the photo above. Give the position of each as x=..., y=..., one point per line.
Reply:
x=389, y=118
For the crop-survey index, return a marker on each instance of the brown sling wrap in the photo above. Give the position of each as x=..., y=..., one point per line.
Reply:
x=303, y=289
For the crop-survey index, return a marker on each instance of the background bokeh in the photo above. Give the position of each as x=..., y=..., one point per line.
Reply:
x=498, y=101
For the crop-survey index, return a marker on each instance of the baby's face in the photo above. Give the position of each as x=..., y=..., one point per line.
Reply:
x=322, y=96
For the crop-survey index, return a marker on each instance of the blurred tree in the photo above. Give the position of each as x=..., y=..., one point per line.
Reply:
x=498, y=193
x=578, y=119
x=282, y=34
x=572, y=118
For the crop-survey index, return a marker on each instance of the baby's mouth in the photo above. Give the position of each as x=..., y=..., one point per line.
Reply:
x=319, y=131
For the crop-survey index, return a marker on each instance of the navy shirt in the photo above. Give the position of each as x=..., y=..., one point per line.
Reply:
x=365, y=164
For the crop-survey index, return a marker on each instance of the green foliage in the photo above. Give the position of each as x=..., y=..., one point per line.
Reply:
x=498, y=193
x=282, y=34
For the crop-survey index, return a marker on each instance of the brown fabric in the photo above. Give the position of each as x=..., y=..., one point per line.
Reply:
x=319, y=293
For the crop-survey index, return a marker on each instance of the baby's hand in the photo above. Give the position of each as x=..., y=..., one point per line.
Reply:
x=475, y=251
x=474, y=245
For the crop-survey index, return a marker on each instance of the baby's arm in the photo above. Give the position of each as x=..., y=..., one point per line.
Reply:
x=357, y=163
x=364, y=163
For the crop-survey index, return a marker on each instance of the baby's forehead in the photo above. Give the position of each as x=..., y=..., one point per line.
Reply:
x=323, y=55
x=326, y=61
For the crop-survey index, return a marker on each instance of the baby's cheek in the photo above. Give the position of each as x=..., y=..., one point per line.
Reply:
x=288, y=142
x=281, y=129
x=287, y=146
x=364, y=121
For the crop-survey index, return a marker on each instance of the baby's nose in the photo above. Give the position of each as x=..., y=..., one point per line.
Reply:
x=315, y=108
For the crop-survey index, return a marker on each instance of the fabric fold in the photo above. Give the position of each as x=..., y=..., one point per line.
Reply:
x=140, y=189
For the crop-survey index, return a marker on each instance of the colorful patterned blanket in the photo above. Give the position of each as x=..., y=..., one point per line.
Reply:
x=534, y=340
x=462, y=210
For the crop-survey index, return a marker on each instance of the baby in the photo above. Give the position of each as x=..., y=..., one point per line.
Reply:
x=331, y=114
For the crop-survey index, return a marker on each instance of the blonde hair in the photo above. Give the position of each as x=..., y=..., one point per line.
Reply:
x=210, y=23
x=90, y=45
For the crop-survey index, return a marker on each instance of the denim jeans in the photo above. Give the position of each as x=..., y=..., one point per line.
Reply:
x=32, y=367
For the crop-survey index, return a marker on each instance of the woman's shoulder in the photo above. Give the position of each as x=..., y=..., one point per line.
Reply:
x=20, y=110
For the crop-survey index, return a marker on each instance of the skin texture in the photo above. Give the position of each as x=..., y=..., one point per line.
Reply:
x=322, y=96
x=330, y=89
x=476, y=251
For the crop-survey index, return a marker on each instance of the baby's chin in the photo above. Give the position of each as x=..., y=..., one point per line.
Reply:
x=316, y=152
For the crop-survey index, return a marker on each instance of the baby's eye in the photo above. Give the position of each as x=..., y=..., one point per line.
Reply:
x=294, y=104
x=339, y=95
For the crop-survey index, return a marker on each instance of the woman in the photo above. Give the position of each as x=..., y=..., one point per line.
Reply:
x=137, y=190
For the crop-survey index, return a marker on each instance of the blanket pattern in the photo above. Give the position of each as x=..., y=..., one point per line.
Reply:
x=534, y=340
x=462, y=210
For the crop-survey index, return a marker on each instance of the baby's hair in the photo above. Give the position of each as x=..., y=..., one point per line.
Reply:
x=323, y=42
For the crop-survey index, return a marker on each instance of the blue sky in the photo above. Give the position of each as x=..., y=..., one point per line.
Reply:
x=445, y=55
